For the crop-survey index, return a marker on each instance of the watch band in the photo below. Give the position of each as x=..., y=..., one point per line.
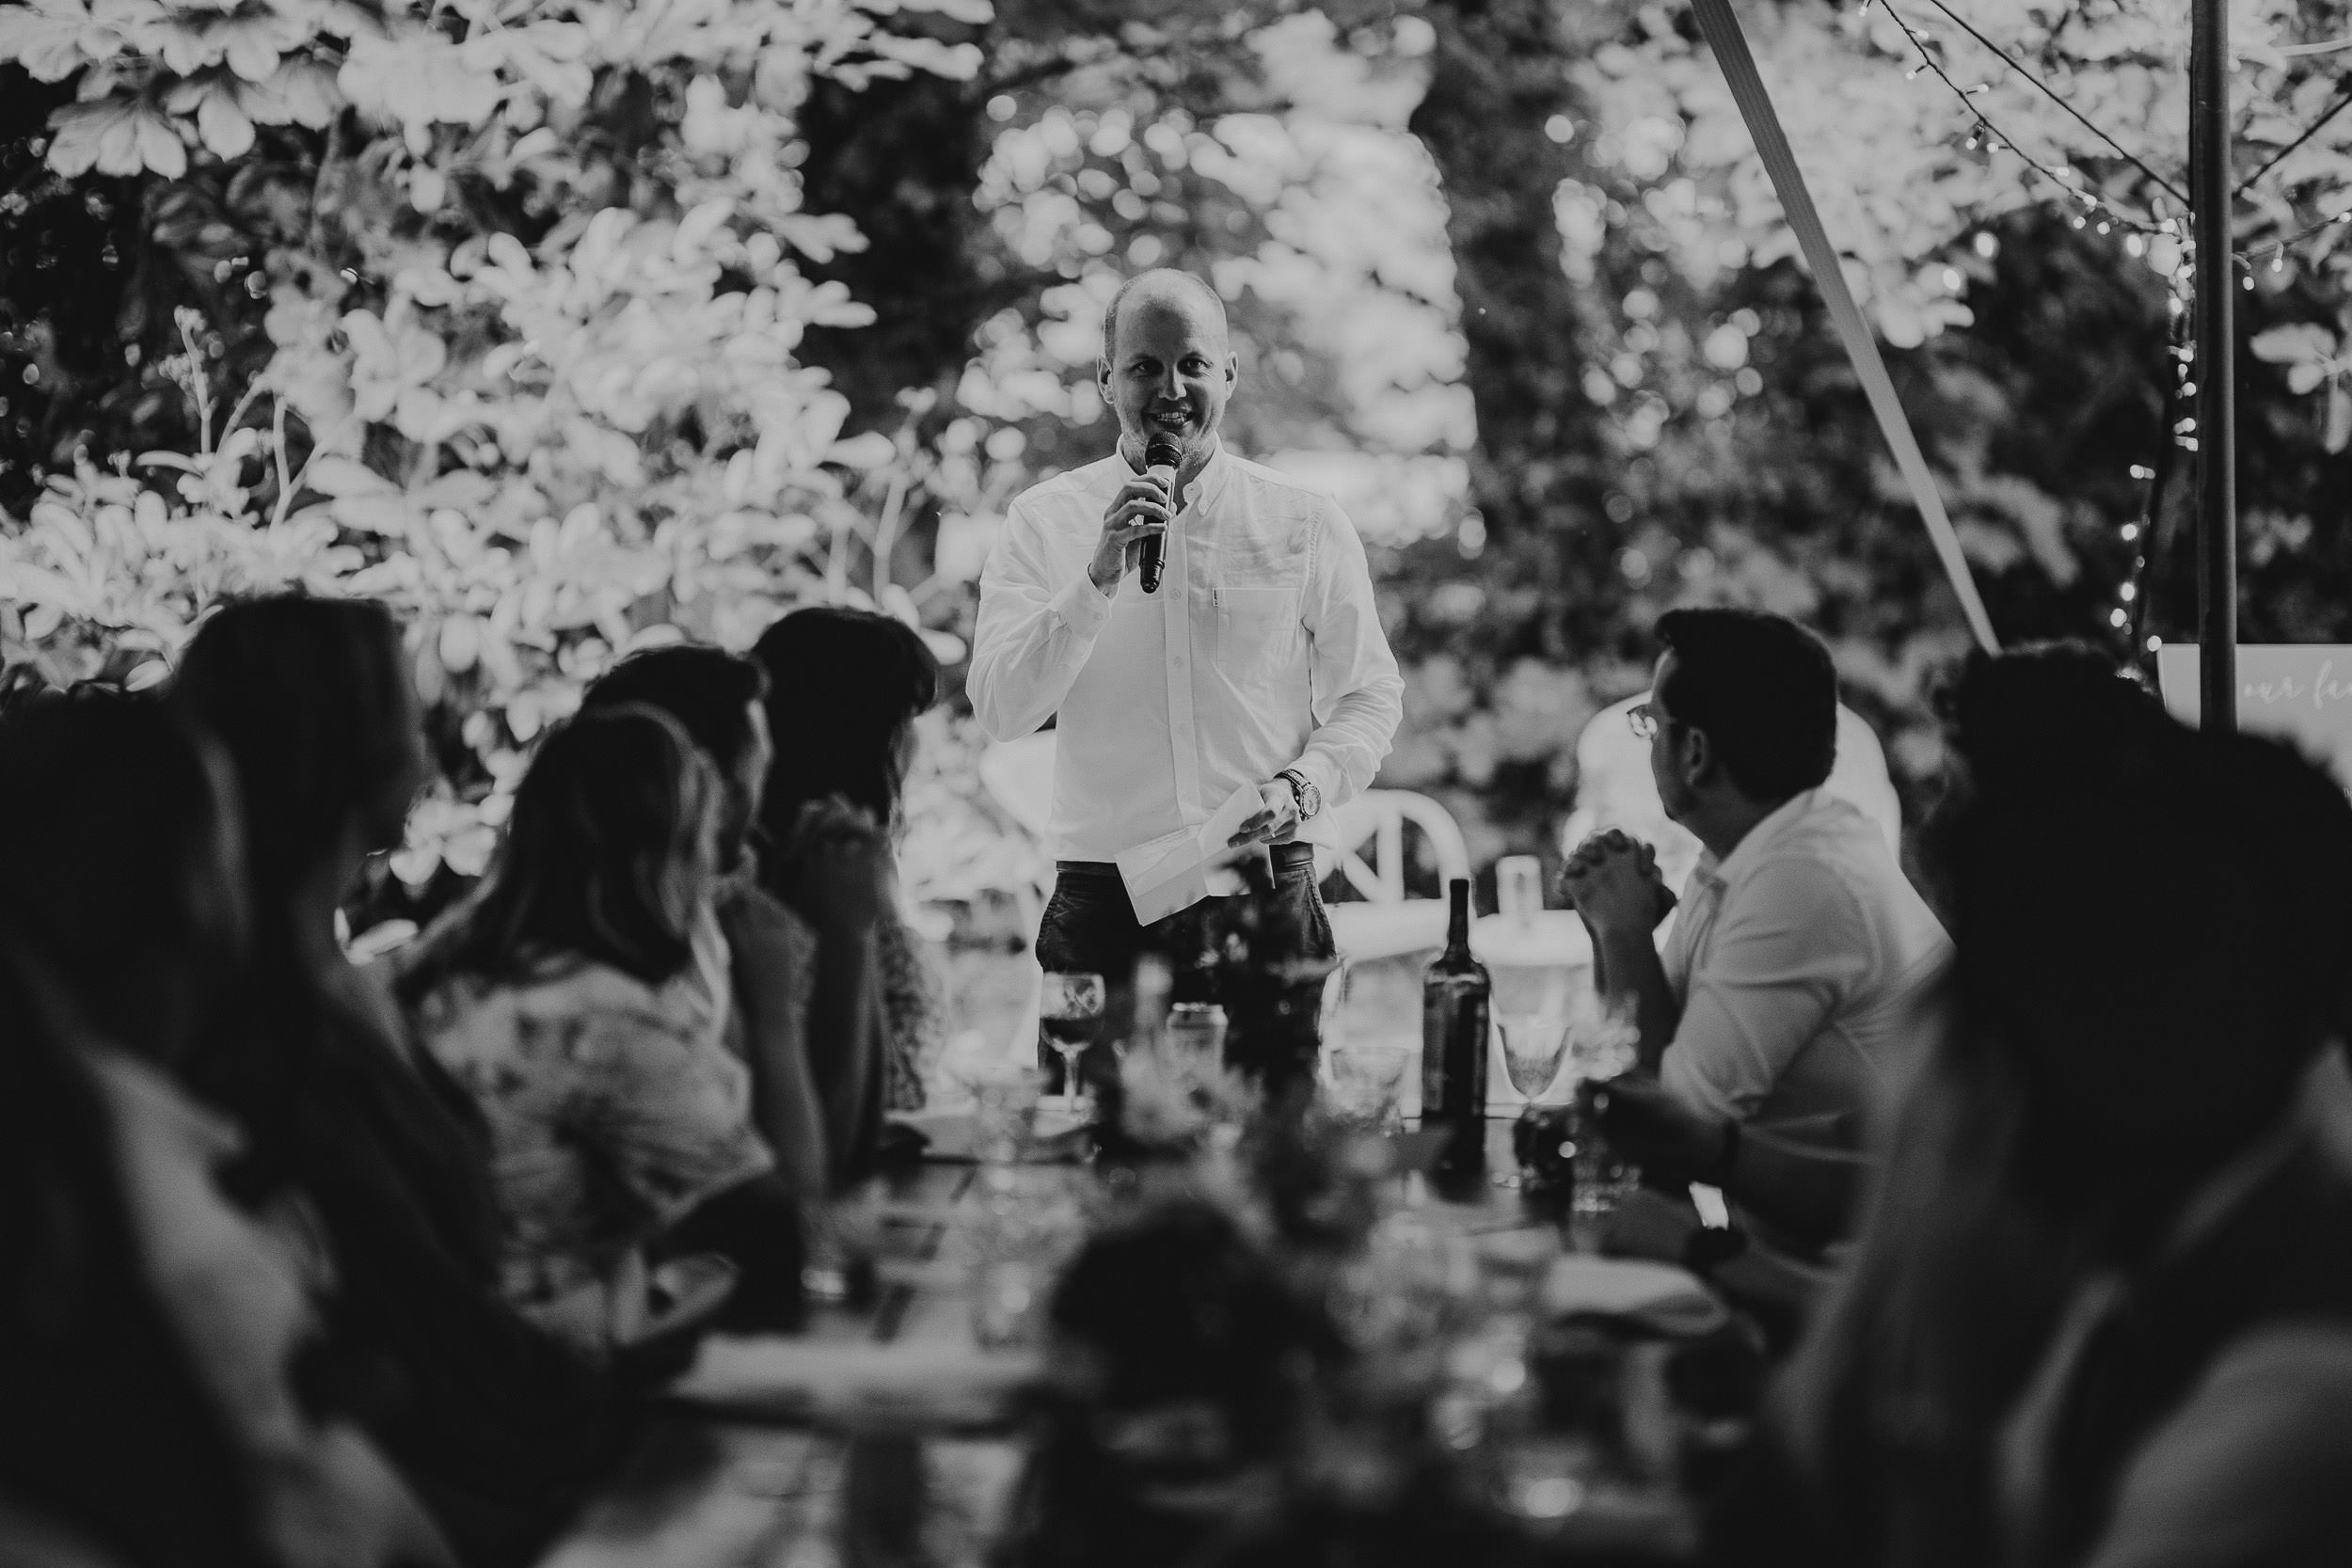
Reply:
x=1307, y=798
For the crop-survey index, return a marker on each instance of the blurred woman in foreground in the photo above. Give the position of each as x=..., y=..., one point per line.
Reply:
x=582, y=994
x=497, y=1425
x=166, y=1396
x=2102, y=1313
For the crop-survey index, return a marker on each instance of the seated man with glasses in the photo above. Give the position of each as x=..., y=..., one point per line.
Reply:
x=1787, y=995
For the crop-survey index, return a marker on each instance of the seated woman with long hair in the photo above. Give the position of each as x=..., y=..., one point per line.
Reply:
x=580, y=995
x=497, y=1426
x=152, y=1335
x=844, y=689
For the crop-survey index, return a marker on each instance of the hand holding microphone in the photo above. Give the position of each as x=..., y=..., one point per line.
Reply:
x=1135, y=524
x=1160, y=456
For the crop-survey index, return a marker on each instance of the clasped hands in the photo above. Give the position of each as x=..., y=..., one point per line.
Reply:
x=838, y=865
x=1612, y=881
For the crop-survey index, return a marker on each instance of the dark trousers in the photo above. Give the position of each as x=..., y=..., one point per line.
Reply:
x=1090, y=928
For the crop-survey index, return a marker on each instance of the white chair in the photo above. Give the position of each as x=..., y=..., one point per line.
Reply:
x=1388, y=922
x=1019, y=778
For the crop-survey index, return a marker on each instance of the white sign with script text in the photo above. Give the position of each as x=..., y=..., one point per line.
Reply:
x=2298, y=691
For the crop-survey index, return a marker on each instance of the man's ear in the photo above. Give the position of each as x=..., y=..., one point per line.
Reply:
x=1697, y=759
x=1103, y=376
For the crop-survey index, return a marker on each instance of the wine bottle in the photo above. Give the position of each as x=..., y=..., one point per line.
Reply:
x=1455, y=996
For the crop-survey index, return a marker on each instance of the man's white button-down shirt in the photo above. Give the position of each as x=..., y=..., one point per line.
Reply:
x=1801, y=960
x=1262, y=651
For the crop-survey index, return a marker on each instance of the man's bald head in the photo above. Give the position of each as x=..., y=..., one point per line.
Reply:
x=1159, y=286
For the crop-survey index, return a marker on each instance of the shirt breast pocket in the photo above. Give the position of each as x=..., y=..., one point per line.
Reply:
x=1257, y=630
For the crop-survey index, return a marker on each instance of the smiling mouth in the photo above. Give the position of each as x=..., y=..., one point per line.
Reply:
x=1171, y=419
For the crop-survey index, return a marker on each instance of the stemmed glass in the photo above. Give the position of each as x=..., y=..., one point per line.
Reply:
x=1069, y=1015
x=1532, y=1047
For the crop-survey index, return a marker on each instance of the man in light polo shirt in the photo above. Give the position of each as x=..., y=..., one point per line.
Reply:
x=1259, y=662
x=1788, y=993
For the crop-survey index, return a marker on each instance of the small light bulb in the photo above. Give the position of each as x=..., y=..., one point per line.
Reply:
x=2130, y=532
x=2127, y=592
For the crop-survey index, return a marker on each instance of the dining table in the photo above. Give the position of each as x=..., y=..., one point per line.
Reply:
x=883, y=1435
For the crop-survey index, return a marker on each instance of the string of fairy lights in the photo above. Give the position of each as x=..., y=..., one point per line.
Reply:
x=2128, y=616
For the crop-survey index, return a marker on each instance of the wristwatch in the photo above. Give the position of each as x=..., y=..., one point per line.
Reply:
x=1303, y=790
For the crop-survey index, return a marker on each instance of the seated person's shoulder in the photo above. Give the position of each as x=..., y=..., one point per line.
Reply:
x=1798, y=881
x=2255, y=1467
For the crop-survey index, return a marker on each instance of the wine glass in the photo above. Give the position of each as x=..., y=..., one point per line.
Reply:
x=1069, y=1015
x=1532, y=1047
x=1602, y=1045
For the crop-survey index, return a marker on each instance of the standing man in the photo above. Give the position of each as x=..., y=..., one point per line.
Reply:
x=1259, y=661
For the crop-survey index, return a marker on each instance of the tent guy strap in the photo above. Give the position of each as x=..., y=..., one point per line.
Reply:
x=1771, y=145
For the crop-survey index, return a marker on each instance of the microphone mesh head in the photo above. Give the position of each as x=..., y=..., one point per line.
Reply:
x=1161, y=451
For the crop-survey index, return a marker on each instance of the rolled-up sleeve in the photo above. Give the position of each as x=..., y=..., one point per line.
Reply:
x=1784, y=955
x=1033, y=636
x=1356, y=695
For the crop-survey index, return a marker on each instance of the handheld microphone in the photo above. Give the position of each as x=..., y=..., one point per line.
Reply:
x=1160, y=456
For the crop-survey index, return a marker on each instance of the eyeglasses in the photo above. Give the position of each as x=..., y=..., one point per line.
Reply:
x=1645, y=722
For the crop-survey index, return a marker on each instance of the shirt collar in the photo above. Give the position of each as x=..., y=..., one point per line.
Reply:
x=1757, y=842
x=1209, y=485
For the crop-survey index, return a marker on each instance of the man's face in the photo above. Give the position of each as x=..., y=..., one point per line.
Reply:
x=1171, y=370
x=1665, y=747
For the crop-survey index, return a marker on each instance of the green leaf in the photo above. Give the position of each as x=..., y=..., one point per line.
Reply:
x=2295, y=341
x=115, y=135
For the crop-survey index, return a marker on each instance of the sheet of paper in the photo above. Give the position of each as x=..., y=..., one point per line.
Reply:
x=1177, y=870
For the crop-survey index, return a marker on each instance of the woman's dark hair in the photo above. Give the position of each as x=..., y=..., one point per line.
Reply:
x=107, y=815
x=708, y=690
x=107, y=1429
x=312, y=698
x=1764, y=690
x=614, y=801
x=2139, y=895
x=2026, y=710
x=843, y=684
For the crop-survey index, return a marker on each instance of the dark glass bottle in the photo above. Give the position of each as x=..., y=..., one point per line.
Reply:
x=1455, y=996
x=1271, y=984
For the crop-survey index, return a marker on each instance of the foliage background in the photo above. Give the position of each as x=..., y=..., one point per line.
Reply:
x=568, y=325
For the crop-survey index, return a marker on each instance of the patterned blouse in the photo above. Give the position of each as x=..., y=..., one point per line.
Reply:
x=614, y=1107
x=910, y=1014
